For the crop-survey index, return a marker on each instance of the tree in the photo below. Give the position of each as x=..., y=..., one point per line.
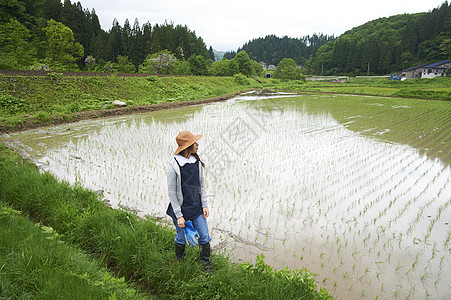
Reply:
x=445, y=47
x=61, y=45
x=244, y=63
x=221, y=68
x=11, y=9
x=323, y=58
x=136, y=49
x=114, y=44
x=52, y=9
x=198, y=65
x=124, y=65
x=229, y=55
x=257, y=68
x=287, y=70
x=14, y=45
x=163, y=62
x=211, y=54
x=146, y=38
x=225, y=67
x=126, y=34
x=389, y=44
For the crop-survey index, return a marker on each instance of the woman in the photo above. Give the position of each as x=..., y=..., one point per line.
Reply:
x=187, y=195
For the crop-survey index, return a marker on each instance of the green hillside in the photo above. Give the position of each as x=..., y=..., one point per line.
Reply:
x=388, y=44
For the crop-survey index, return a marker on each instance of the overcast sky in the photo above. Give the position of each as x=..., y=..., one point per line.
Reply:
x=227, y=25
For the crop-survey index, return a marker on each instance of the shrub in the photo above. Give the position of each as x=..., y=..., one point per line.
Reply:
x=152, y=78
x=42, y=116
x=287, y=70
x=13, y=104
x=241, y=79
x=12, y=120
x=55, y=75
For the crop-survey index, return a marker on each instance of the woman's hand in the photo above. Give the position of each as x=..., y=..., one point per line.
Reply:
x=206, y=212
x=181, y=222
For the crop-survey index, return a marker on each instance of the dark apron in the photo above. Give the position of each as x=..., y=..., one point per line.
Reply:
x=192, y=206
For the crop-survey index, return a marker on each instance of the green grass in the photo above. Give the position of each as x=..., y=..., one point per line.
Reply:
x=140, y=250
x=37, y=264
x=435, y=88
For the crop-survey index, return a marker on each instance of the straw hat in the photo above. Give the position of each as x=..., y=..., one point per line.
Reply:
x=185, y=139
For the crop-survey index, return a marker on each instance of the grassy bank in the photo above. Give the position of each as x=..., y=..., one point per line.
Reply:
x=55, y=98
x=438, y=88
x=37, y=264
x=140, y=250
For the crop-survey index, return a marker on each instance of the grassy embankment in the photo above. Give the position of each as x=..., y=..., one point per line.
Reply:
x=438, y=88
x=36, y=264
x=139, y=250
x=30, y=101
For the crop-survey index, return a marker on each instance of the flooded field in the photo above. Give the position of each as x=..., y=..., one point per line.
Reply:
x=356, y=189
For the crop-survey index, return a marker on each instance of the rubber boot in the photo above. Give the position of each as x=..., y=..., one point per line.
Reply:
x=180, y=252
x=205, y=257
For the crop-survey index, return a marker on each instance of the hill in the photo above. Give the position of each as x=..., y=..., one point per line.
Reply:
x=272, y=49
x=388, y=44
x=218, y=54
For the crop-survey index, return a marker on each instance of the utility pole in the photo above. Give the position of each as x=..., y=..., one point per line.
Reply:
x=368, y=72
x=322, y=69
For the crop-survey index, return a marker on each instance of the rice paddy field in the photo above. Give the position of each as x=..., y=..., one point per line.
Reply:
x=355, y=188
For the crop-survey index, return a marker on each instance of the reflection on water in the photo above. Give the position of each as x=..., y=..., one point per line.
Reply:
x=286, y=179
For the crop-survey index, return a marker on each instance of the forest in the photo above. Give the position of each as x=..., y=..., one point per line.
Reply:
x=29, y=30
x=388, y=45
x=272, y=49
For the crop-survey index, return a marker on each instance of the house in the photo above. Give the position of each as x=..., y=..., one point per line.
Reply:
x=435, y=69
x=427, y=70
x=413, y=72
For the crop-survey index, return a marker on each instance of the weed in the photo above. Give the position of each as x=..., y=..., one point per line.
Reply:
x=42, y=116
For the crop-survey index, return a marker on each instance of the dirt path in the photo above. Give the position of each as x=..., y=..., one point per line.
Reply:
x=31, y=123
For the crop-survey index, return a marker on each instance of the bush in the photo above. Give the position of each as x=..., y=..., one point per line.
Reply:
x=163, y=62
x=152, y=78
x=287, y=70
x=12, y=120
x=241, y=79
x=55, y=75
x=69, y=116
x=13, y=104
x=42, y=116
